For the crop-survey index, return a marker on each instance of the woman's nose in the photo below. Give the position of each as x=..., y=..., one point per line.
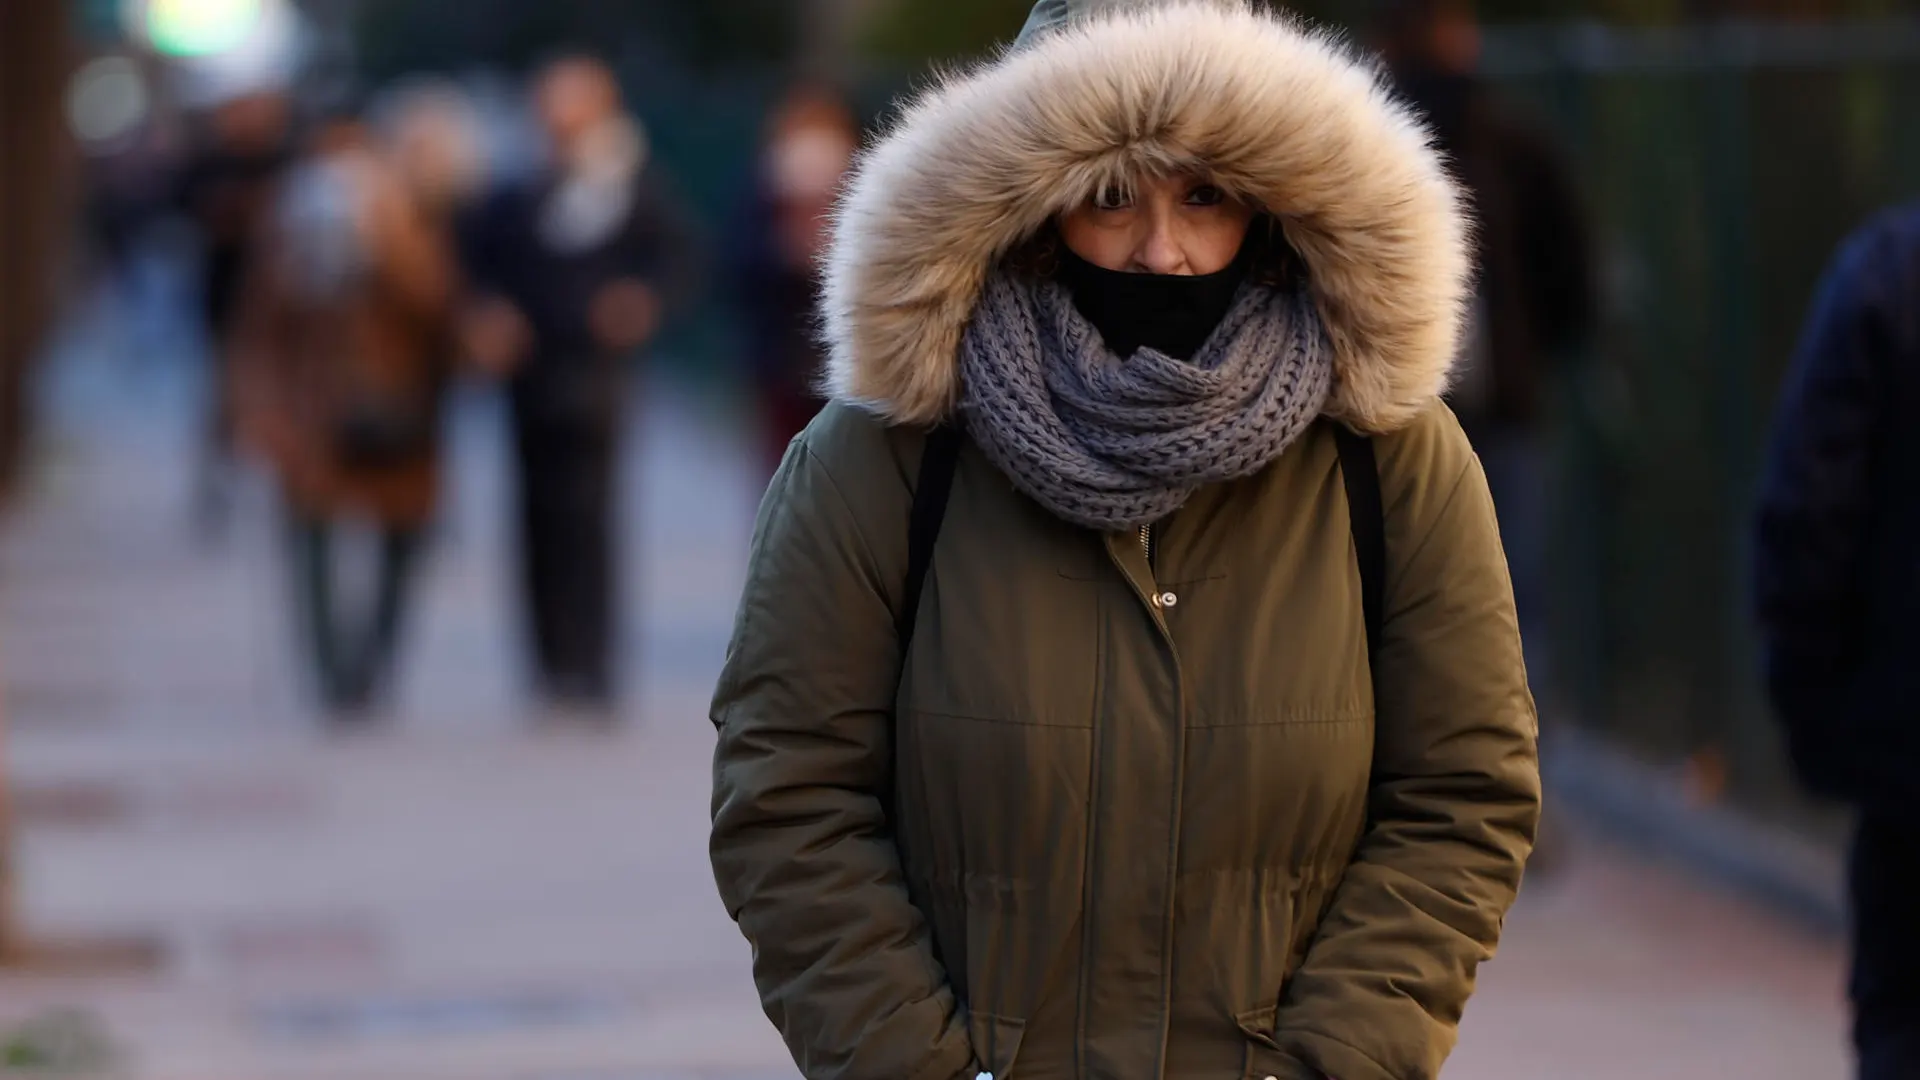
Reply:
x=1159, y=250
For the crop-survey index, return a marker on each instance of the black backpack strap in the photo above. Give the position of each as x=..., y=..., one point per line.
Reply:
x=938, y=462
x=1368, y=521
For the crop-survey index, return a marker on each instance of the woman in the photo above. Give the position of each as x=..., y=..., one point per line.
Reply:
x=342, y=349
x=1139, y=800
x=777, y=242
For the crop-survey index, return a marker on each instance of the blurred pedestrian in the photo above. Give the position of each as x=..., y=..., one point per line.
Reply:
x=1536, y=304
x=573, y=272
x=429, y=133
x=240, y=149
x=1837, y=545
x=343, y=347
x=1197, y=743
x=778, y=238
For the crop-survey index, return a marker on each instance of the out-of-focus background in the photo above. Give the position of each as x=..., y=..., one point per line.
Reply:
x=309, y=777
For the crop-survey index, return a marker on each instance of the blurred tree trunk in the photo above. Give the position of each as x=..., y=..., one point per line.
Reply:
x=33, y=70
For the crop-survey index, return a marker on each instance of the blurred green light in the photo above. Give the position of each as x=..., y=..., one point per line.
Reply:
x=200, y=27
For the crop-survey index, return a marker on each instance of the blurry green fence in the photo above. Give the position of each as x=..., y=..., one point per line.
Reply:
x=1723, y=164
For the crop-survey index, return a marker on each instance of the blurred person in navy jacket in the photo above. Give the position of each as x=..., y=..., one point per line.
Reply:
x=1837, y=582
x=573, y=271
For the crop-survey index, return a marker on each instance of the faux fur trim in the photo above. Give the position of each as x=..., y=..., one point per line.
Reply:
x=1273, y=112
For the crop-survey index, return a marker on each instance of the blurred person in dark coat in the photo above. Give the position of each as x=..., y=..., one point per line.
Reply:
x=777, y=240
x=343, y=344
x=235, y=161
x=1535, y=305
x=573, y=271
x=1837, y=585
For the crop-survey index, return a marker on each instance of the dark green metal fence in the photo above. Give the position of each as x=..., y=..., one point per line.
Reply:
x=1723, y=164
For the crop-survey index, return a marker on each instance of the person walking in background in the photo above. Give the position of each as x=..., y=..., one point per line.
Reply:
x=775, y=249
x=1197, y=742
x=240, y=149
x=1536, y=302
x=573, y=271
x=1837, y=586
x=343, y=344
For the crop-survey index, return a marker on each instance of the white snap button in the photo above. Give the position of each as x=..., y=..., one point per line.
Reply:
x=1168, y=599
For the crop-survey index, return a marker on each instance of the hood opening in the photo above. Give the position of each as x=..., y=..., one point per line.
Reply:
x=973, y=170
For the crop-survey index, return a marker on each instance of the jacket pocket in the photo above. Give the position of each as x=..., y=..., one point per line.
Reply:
x=1264, y=1058
x=996, y=1042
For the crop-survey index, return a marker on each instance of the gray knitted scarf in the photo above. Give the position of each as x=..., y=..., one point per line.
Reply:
x=1114, y=444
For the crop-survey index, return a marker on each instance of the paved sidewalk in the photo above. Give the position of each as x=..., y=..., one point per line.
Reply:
x=469, y=894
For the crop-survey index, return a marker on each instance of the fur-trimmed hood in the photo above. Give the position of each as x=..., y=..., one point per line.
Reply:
x=1274, y=113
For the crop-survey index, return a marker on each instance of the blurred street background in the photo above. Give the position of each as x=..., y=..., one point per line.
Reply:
x=304, y=777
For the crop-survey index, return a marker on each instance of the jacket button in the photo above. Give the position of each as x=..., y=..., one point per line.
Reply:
x=1168, y=599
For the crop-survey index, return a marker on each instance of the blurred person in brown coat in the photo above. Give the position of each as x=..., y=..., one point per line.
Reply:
x=343, y=348
x=572, y=272
x=1536, y=302
x=777, y=239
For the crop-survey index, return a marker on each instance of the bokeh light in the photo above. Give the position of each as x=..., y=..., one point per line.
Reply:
x=107, y=99
x=197, y=27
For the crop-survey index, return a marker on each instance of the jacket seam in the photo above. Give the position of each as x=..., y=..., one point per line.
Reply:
x=1302, y=718
x=948, y=714
x=1090, y=854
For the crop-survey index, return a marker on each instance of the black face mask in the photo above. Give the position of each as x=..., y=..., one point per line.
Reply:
x=1171, y=313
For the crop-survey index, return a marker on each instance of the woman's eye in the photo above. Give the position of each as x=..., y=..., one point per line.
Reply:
x=1206, y=195
x=1111, y=197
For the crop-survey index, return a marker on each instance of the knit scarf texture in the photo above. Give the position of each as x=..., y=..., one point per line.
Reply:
x=1113, y=443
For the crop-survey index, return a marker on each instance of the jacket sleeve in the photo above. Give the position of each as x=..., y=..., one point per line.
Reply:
x=1455, y=793
x=1815, y=497
x=800, y=845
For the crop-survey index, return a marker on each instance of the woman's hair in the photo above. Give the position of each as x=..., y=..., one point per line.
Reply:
x=1271, y=261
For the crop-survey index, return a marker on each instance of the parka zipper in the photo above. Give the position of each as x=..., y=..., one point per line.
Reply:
x=1158, y=602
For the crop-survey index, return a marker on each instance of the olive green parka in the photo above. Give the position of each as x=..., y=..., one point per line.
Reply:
x=1116, y=819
